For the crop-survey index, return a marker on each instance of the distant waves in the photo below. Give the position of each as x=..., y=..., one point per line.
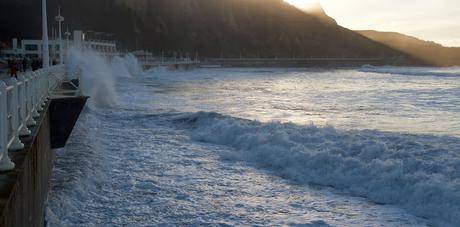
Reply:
x=414, y=71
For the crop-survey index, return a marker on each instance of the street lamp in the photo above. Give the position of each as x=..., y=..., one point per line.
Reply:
x=60, y=19
x=67, y=35
x=45, y=51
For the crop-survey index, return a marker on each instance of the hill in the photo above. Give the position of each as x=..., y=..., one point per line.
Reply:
x=430, y=52
x=210, y=28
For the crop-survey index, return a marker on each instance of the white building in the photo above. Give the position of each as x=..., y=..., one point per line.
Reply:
x=96, y=41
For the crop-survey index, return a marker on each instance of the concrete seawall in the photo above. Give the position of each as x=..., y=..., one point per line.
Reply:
x=24, y=191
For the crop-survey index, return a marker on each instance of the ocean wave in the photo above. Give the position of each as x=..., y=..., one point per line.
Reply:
x=413, y=71
x=420, y=173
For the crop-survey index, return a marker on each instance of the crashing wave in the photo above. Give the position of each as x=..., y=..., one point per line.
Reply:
x=420, y=173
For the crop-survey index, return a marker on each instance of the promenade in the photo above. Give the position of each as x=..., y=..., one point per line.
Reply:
x=37, y=113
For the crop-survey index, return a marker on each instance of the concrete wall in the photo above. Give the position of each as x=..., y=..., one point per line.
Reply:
x=23, y=192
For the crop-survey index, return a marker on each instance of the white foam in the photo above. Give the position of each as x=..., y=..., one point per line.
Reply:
x=125, y=66
x=99, y=74
x=413, y=71
x=418, y=173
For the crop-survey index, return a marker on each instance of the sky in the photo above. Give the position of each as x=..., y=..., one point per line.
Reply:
x=434, y=20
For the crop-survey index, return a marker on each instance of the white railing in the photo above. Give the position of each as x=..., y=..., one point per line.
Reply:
x=21, y=100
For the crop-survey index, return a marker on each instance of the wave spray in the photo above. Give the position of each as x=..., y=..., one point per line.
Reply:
x=98, y=74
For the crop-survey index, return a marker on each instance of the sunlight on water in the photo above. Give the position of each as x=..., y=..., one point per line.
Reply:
x=344, y=98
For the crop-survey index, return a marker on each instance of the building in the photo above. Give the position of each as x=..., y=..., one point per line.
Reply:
x=101, y=42
x=97, y=41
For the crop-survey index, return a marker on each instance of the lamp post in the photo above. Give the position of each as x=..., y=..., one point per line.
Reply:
x=67, y=34
x=45, y=51
x=67, y=44
x=60, y=19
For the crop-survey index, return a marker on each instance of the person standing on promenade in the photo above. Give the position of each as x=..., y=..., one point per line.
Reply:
x=18, y=64
x=24, y=64
x=13, y=68
x=34, y=64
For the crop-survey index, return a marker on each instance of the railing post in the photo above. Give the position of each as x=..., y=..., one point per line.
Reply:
x=44, y=87
x=33, y=82
x=23, y=130
x=47, y=84
x=5, y=162
x=39, y=92
x=29, y=106
x=13, y=109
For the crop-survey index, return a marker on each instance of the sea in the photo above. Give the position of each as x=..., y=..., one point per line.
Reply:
x=369, y=146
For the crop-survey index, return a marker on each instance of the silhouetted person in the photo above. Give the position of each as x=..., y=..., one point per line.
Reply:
x=35, y=65
x=18, y=65
x=24, y=64
x=10, y=62
x=13, y=68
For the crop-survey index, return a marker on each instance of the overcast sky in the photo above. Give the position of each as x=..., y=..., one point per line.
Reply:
x=436, y=20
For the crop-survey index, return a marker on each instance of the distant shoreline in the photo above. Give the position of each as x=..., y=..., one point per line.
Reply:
x=291, y=62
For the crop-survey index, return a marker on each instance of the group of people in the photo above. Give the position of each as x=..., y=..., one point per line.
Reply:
x=23, y=65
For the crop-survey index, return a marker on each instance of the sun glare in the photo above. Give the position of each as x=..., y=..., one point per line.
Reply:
x=303, y=4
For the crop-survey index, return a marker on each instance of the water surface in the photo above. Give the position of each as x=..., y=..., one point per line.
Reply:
x=368, y=147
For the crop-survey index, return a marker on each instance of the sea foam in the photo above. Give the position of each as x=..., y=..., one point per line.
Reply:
x=413, y=71
x=417, y=172
x=98, y=74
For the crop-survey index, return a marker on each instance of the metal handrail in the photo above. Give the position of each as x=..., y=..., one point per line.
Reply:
x=21, y=101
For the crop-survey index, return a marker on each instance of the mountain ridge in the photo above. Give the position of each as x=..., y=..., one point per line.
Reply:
x=208, y=28
x=428, y=51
